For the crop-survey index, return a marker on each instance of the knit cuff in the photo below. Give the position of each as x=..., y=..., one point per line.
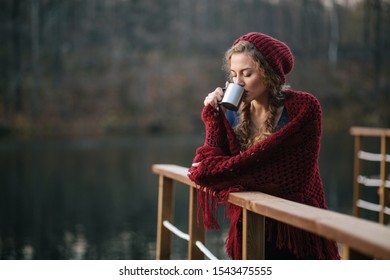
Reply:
x=216, y=135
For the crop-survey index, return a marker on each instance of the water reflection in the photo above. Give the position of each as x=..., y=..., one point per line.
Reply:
x=97, y=199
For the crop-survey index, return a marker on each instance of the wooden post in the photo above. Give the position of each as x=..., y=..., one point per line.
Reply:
x=356, y=173
x=195, y=229
x=383, y=175
x=352, y=254
x=165, y=212
x=253, y=236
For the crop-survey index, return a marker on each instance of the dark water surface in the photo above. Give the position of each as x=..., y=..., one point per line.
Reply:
x=97, y=198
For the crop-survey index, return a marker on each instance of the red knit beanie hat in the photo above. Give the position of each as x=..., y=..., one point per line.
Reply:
x=277, y=53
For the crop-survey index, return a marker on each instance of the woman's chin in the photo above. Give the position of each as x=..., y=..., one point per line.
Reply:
x=246, y=99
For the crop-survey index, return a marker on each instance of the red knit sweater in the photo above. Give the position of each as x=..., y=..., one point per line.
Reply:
x=284, y=165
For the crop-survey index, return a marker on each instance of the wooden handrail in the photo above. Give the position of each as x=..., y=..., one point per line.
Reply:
x=359, y=237
x=369, y=131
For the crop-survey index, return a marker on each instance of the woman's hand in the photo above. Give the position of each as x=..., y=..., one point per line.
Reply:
x=213, y=98
x=194, y=165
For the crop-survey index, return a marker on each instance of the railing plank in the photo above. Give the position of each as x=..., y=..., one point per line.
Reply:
x=175, y=172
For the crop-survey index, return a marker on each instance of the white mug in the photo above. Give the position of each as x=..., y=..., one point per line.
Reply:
x=232, y=98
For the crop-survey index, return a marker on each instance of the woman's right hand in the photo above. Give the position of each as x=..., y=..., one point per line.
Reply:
x=213, y=98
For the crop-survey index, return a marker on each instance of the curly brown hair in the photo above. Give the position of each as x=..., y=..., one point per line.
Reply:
x=276, y=95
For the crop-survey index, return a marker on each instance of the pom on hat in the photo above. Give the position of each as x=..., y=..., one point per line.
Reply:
x=277, y=53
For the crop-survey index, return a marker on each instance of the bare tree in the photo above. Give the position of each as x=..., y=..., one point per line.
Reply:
x=334, y=34
x=35, y=49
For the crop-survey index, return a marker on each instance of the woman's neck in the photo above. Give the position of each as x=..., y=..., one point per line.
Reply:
x=259, y=114
x=259, y=111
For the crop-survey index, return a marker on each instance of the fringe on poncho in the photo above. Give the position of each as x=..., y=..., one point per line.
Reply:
x=284, y=165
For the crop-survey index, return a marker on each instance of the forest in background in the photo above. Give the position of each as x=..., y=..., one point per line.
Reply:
x=100, y=67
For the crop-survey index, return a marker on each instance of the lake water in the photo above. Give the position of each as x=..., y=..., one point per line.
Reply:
x=97, y=198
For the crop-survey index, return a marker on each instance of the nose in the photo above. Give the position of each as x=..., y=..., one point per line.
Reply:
x=240, y=80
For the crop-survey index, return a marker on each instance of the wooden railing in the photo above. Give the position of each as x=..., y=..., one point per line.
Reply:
x=382, y=182
x=359, y=238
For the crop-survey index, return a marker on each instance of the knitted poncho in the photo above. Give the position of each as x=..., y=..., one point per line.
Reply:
x=284, y=165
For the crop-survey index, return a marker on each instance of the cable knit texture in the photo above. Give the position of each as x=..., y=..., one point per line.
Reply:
x=284, y=165
x=277, y=53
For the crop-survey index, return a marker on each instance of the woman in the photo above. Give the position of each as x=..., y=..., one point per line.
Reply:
x=270, y=145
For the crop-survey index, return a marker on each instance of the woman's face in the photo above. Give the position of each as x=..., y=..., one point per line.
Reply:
x=244, y=72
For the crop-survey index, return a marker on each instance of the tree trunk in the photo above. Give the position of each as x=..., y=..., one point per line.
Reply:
x=334, y=35
x=35, y=49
